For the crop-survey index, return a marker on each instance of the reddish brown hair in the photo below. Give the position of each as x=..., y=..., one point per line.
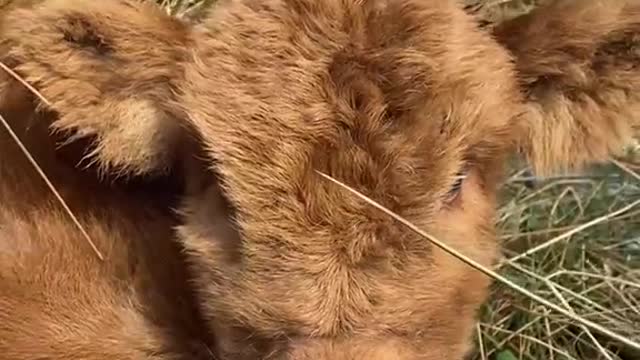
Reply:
x=407, y=101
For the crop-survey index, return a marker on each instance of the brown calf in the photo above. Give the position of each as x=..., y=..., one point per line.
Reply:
x=57, y=299
x=407, y=101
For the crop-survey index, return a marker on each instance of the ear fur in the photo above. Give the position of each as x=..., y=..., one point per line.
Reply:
x=579, y=66
x=108, y=69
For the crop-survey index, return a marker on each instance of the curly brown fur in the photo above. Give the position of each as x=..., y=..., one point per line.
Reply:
x=139, y=53
x=393, y=97
x=57, y=300
x=579, y=65
x=367, y=93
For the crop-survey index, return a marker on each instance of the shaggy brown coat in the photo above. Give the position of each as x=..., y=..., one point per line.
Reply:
x=407, y=101
x=57, y=299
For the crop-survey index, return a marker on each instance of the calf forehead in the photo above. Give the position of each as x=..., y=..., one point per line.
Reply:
x=390, y=96
x=309, y=69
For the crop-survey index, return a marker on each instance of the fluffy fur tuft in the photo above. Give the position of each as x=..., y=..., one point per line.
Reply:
x=121, y=58
x=578, y=65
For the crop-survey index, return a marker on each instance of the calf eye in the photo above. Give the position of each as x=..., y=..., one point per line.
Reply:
x=456, y=186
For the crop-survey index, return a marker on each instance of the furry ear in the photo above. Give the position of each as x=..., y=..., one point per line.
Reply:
x=108, y=69
x=579, y=66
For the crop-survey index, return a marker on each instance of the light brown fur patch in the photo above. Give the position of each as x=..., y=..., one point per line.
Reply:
x=578, y=65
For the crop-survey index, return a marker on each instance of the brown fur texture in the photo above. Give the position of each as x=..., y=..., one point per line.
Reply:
x=367, y=93
x=395, y=98
x=149, y=46
x=578, y=63
x=57, y=299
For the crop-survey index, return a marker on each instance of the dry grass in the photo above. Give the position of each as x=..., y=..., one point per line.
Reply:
x=593, y=272
x=190, y=9
x=568, y=243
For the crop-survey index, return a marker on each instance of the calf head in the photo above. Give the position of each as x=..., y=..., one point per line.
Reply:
x=406, y=101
